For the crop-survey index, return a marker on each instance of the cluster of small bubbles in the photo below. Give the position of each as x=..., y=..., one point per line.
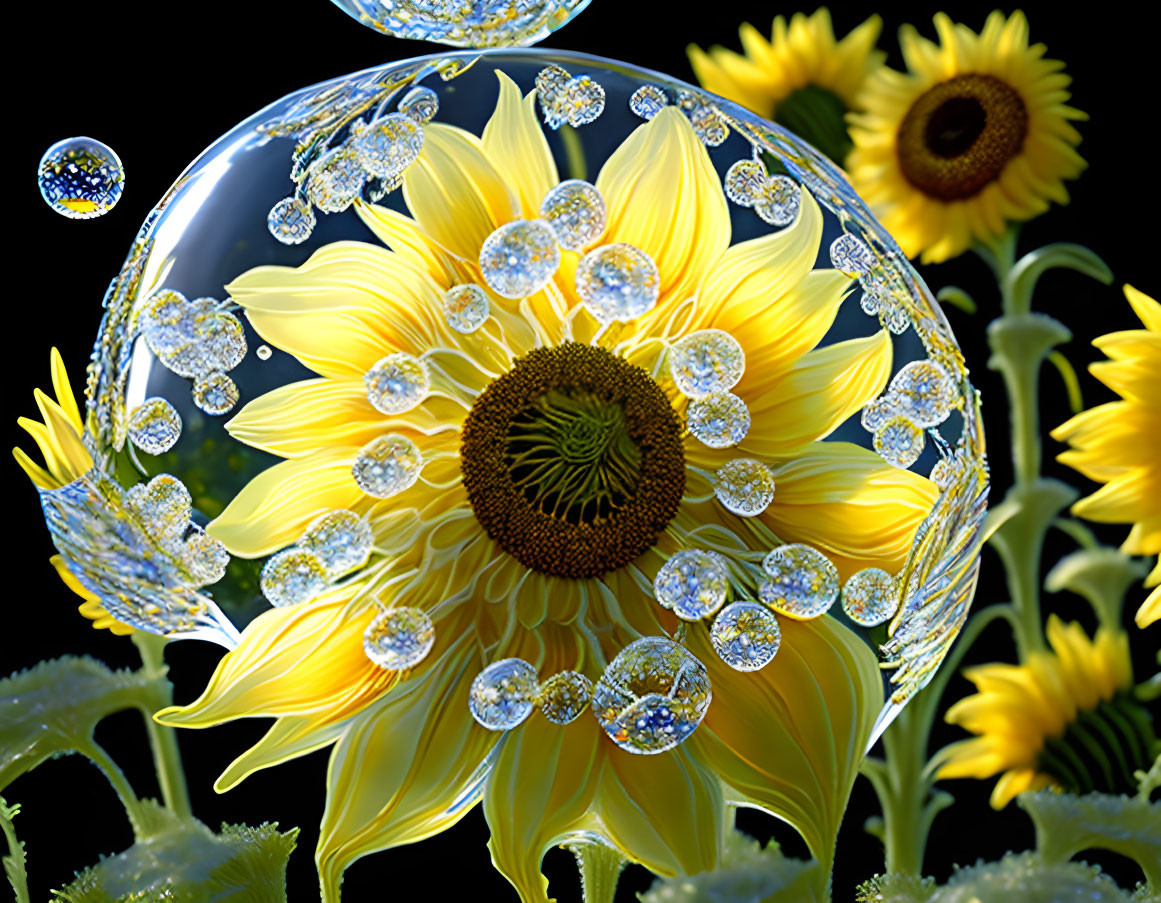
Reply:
x=551, y=90
x=851, y=255
x=719, y=420
x=340, y=539
x=503, y=694
x=336, y=180
x=291, y=221
x=617, y=282
x=943, y=473
x=875, y=297
x=647, y=101
x=708, y=124
x=80, y=178
x=154, y=426
x=291, y=576
x=744, y=486
x=745, y=635
x=745, y=182
x=652, y=696
x=779, y=202
x=195, y=339
x=263, y=352
x=564, y=98
x=519, y=258
x=206, y=558
x=563, y=697
x=397, y=383
x=800, y=581
x=215, y=393
x=465, y=307
x=399, y=638
x=870, y=597
x=387, y=466
x=925, y=393
x=876, y=413
x=389, y=145
x=899, y=441
x=706, y=362
x=576, y=212
x=420, y=104
x=693, y=583
x=163, y=505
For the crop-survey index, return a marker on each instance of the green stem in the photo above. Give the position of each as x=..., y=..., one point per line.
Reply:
x=162, y=738
x=129, y=800
x=574, y=152
x=600, y=868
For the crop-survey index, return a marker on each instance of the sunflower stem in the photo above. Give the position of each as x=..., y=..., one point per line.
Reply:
x=96, y=754
x=600, y=869
x=162, y=738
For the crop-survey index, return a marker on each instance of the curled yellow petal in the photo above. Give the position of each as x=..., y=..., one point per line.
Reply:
x=516, y=144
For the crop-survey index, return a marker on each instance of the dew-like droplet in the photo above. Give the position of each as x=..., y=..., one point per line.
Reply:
x=80, y=178
x=389, y=145
x=925, y=393
x=155, y=426
x=552, y=92
x=387, y=466
x=336, y=180
x=779, y=202
x=744, y=486
x=503, y=694
x=876, y=413
x=519, y=258
x=617, y=282
x=899, y=441
x=745, y=636
x=800, y=581
x=693, y=583
x=340, y=539
x=706, y=362
x=745, y=182
x=708, y=125
x=291, y=576
x=263, y=352
x=215, y=393
x=563, y=697
x=719, y=420
x=851, y=255
x=576, y=211
x=465, y=307
x=291, y=221
x=399, y=638
x=397, y=383
x=163, y=321
x=648, y=100
x=870, y=597
x=420, y=104
x=652, y=696
x=163, y=505
x=584, y=100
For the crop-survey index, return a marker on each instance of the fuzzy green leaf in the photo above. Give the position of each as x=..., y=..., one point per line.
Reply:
x=15, y=861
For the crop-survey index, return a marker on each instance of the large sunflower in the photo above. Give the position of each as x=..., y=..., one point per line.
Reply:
x=539, y=486
x=1117, y=443
x=1060, y=719
x=976, y=133
x=802, y=78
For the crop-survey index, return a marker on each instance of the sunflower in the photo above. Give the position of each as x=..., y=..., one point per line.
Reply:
x=65, y=459
x=1116, y=443
x=802, y=78
x=1062, y=719
x=976, y=133
x=531, y=494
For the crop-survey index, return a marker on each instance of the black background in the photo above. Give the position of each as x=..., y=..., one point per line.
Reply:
x=159, y=82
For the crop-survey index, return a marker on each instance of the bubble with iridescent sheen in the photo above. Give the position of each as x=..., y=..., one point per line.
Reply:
x=291, y=221
x=519, y=258
x=745, y=182
x=340, y=539
x=744, y=486
x=799, y=581
x=693, y=583
x=564, y=696
x=576, y=212
x=336, y=180
x=465, y=307
x=584, y=100
x=876, y=413
x=746, y=636
x=870, y=597
x=779, y=202
x=389, y=145
x=503, y=694
x=291, y=576
x=899, y=441
x=648, y=100
x=154, y=426
x=387, y=466
x=80, y=178
x=396, y=383
x=708, y=125
x=706, y=362
x=215, y=393
x=719, y=420
x=617, y=282
x=399, y=638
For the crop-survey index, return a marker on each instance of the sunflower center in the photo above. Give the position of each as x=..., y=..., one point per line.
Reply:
x=959, y=135
x=572, y=461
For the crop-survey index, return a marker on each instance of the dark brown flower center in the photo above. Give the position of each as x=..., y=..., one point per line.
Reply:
x=572, y=461
x=959, y=135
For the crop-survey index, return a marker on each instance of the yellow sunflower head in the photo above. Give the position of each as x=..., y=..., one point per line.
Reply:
x=975, y=134
x=1116, y=443
x=1062, y=719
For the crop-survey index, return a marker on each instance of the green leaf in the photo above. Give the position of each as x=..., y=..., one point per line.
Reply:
x=895, y=888
x=1102, y=576
x=957, y=297
x=182, y=861
x=1021, y=281
x=53, y=708
x=15, y=861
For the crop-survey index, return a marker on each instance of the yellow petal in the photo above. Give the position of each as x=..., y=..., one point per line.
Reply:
x=288, y=738
x=1150, y=610
x=1146, y=309
x=515, y=142
x=64, y=392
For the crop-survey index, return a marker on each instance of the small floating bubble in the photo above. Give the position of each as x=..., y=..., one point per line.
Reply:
x=719, y=420
x=895, y=317
x=706, y=362
x=340, y=539
x=874, y=298
x=779, y=202
x=399, y=638
x=744, y=486
x=215, y=393
x=80, y=178
x=291, y=221
x=800, y=581
x=291, y=576
x=465, y=307
x=397, y=383
x=899, y=441
x=163, y=505
x=584, y=100
x=693, y=583
x=925, y=393
x=519, y=258
x=420, y=104
x=745, y=636
x=552, y=91
x=745, y=182
x=389, y=145
x=870, y=597
x=563, y=697
x=876, y=413
x=263, y=352
x=336, y=180
x=387, y=466
x=155, y=426
x=687, y=100
x=708, y=125
x=851, y=255
x=503, y=694
x=617, y=282
x=652, y=696
x=576, y=212
x=648, y=100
